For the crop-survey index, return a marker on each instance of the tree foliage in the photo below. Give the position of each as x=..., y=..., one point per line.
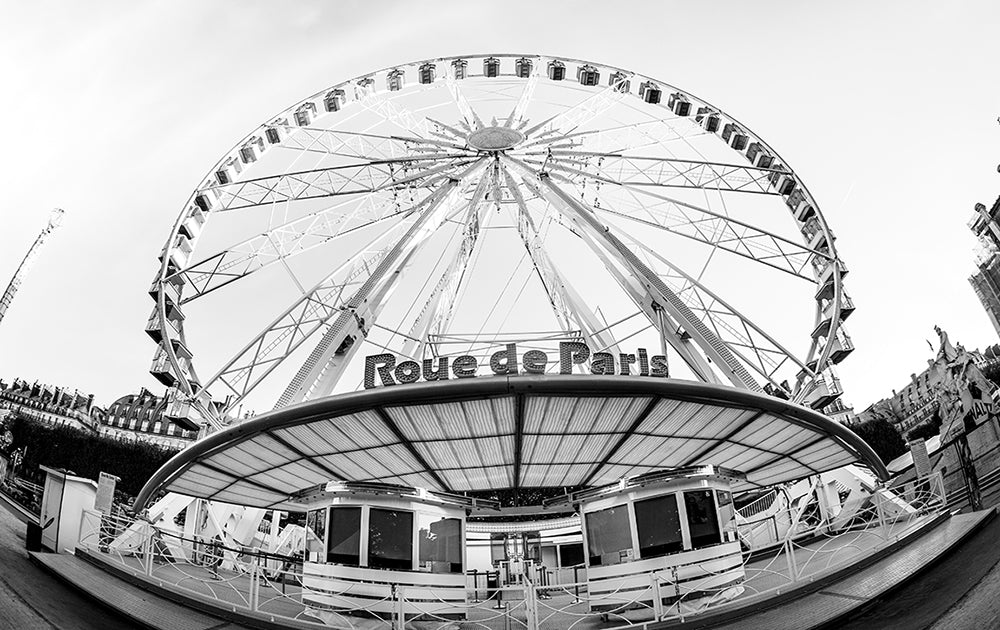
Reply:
x=884, y=439
x=84, y=453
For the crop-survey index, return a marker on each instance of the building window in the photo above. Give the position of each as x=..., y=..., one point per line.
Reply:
x=658, y=524
x=344, y=541
x=703, y=522
x=440, y=544
x=609, y=536
x=390, y=539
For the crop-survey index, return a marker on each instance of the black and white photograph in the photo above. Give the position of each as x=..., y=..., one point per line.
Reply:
x=523, y=315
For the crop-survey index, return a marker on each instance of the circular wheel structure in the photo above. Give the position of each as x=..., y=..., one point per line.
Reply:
x=457, y=205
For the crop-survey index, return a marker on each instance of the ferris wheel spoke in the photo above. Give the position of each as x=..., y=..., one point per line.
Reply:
x=713, y=229
x=244, y=372
x=470, y=116
x=288, y=240
x=365, y=145
x=755, y=346
x=439, y=308
x=517, y=115
x=661, y=172
x=336, y=294
x=392, y=112
x=567, y=304
x=622, y=138
x=646, y=287
x=583, y=112
x=330, y=182
x=325, y=364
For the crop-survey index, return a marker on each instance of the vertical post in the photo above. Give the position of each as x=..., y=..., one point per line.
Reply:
x=400, y=616
x=654, y=585
x=677, y=592
x=530, y=612
x=793, y=568
x=576, y=584
x=147, y=544
x=254, y=594
x=880, y=512
x=506, y=616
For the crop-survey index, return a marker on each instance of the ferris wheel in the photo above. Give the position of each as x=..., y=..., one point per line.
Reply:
x=455, y=205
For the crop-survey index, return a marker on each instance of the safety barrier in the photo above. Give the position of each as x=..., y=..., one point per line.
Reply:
x=275, y=586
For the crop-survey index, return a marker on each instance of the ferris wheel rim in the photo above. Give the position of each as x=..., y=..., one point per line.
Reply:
x=836, y=277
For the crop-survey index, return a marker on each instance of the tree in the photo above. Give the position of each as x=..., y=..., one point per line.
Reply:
x=883, y=437
x=926, y=430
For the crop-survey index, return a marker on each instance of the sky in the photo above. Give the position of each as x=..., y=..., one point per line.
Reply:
x=115, y=111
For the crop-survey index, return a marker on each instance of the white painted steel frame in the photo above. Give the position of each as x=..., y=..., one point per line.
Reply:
x=427, y=154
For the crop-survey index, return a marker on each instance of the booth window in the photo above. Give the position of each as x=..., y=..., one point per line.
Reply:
x=344, y=541
x=658, y=524
x=609, y=536
x=570, y=554
x=440, y=544
x=703, y=521
x=390, y=539
x=315, y=531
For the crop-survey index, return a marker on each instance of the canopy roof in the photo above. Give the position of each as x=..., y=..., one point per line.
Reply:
x=507, y=432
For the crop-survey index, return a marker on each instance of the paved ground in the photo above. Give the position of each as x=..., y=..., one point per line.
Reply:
x=962, y=591
x=30, y=599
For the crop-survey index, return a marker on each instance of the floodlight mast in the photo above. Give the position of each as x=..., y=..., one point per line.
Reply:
x=55, y=220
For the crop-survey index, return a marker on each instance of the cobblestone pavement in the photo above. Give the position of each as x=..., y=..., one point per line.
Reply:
x=31, y=599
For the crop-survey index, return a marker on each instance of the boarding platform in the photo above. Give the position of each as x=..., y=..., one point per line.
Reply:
x=868, y=565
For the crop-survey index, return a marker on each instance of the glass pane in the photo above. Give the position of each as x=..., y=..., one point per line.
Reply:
x=390, y=539
x=702, y=519
x=315, y=531
x=498, y=548
x=570, y=554
x=658, y=524
x=344, y=544
x=440, y=545
x=609, y=536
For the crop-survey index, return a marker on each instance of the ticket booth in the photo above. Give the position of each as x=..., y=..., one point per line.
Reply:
x=678, y=525
x=64, y=499
x=371, y=547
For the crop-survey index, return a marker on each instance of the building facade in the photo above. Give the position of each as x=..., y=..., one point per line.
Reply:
x=986, y=281
x=920, y=400
x=51, y=404
x=140, y=417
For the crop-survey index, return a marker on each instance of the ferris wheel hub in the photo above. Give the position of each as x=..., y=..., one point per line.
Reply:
x=495, y=139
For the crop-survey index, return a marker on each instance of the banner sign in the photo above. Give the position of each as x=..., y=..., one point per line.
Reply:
x=385, y=369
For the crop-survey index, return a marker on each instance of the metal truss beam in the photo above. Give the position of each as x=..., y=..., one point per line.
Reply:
x=661, y=172
x=652, y=291
x=468, y=114
x=517, y=114
x=737, y=330
x=713, y=229
x=363, y=145
x=329, y=182
x=325, y=364
x=581, y=113
x=290, y=239
x=631, y=137
x=567, y=304
x=436, y=314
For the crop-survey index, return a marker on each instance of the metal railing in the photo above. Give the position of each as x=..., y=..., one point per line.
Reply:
x=275, y=587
